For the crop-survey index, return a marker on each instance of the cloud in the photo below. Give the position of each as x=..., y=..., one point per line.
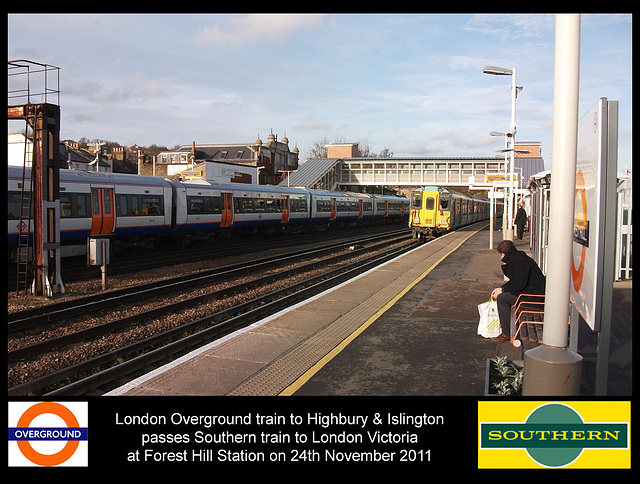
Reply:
x=512, y=26
x=274, y=28
x=311, y=124
x=138, y=87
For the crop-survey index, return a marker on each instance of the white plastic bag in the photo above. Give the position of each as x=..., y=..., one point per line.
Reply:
x=489, y=325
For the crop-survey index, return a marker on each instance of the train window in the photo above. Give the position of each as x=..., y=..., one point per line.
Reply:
x=244, y=205
x=151, y=206
x=323, y=206
x=444, y=203
x=13, y=205
x=131, y=205
x=216, y=204
x=107, y=201
x=431, y=202
x=416, y=201
x=127, y=205
x=298, y=205
x=204, y=205
x=95, y=200
x=121, y=205
x=66, y=206
x=271, y=205
x=73, y=205
x=195, y=205
x=80, y=206
x=259, y=205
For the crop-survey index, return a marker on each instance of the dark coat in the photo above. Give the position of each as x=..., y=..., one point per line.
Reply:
x=525, y=277
x=521, y=216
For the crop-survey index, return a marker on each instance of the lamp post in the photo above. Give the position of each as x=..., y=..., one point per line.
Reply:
x=505, y=215
x=501, y=71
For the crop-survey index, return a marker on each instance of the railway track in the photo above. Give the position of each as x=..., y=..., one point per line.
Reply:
x=76, y=268
x=119, y=335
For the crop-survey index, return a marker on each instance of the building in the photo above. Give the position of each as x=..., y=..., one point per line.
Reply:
x=71, y=155
x=90, y=159
x=271, y=160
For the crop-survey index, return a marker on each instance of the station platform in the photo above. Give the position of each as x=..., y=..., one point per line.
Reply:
x=408, y=328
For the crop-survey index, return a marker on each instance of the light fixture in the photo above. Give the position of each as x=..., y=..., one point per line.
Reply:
x=497, y=71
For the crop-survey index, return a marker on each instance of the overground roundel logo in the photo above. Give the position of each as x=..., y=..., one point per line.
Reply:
x=39, y=425
x=581, y=234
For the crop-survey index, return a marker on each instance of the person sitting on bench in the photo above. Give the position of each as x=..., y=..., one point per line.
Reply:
x=525, y=277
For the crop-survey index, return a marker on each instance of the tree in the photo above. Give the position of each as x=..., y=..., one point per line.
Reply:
x=319, y=149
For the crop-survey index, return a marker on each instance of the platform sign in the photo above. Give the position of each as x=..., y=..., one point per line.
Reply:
x=500, y=178
x=594, y=220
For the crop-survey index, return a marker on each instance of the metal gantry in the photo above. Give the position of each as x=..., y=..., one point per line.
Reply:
x=31, y=88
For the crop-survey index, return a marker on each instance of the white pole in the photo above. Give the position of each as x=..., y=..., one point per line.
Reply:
x=552, y=368
x=563, y=186
x=491, y=202
x=512, y=130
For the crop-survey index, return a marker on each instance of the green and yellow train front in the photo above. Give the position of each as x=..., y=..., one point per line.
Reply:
x=430, y=212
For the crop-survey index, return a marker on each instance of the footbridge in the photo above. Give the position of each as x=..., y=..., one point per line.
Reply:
x=349, y=173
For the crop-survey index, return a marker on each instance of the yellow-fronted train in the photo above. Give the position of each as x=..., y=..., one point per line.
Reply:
x=437, y=210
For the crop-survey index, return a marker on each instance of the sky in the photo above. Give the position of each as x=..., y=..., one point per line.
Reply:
x=411, y=83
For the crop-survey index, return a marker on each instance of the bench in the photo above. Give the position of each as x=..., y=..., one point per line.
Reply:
x=527, y=320
x=529, y=317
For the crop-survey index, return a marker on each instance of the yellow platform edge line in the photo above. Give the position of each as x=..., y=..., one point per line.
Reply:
x=306, y=376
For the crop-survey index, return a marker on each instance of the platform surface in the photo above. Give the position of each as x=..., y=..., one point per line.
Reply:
x=406, y=328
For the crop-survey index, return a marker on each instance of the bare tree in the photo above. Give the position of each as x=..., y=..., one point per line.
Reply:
x=318, y=149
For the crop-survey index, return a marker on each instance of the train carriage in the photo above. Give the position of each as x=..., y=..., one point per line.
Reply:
x=390, y=207
x=268, y=206
x=137, y=210
x=324, y=206
x=367, y=207
x=197, y=208
x=93, y=204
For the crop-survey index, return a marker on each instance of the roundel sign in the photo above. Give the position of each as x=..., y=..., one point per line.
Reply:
x=47, y=434
x=580, y=232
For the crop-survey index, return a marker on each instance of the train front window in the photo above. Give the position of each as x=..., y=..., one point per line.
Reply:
x=431, y=203
x=416, y=201
x=444, y=203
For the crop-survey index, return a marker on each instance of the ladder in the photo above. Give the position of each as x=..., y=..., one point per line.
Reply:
x=25, y=225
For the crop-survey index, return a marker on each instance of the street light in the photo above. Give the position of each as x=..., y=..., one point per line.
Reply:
x=505, y=213
x=501, y=71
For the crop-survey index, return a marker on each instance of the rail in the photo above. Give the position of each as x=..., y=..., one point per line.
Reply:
x=32, y=82
x=138, y=356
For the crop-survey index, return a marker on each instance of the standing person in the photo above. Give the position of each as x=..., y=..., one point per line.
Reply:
x=525, y=277
x=521, y=219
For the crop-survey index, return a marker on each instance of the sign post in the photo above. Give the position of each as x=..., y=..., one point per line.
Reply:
x=592, y=265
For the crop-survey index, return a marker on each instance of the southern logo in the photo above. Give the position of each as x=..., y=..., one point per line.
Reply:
x=553, y=435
